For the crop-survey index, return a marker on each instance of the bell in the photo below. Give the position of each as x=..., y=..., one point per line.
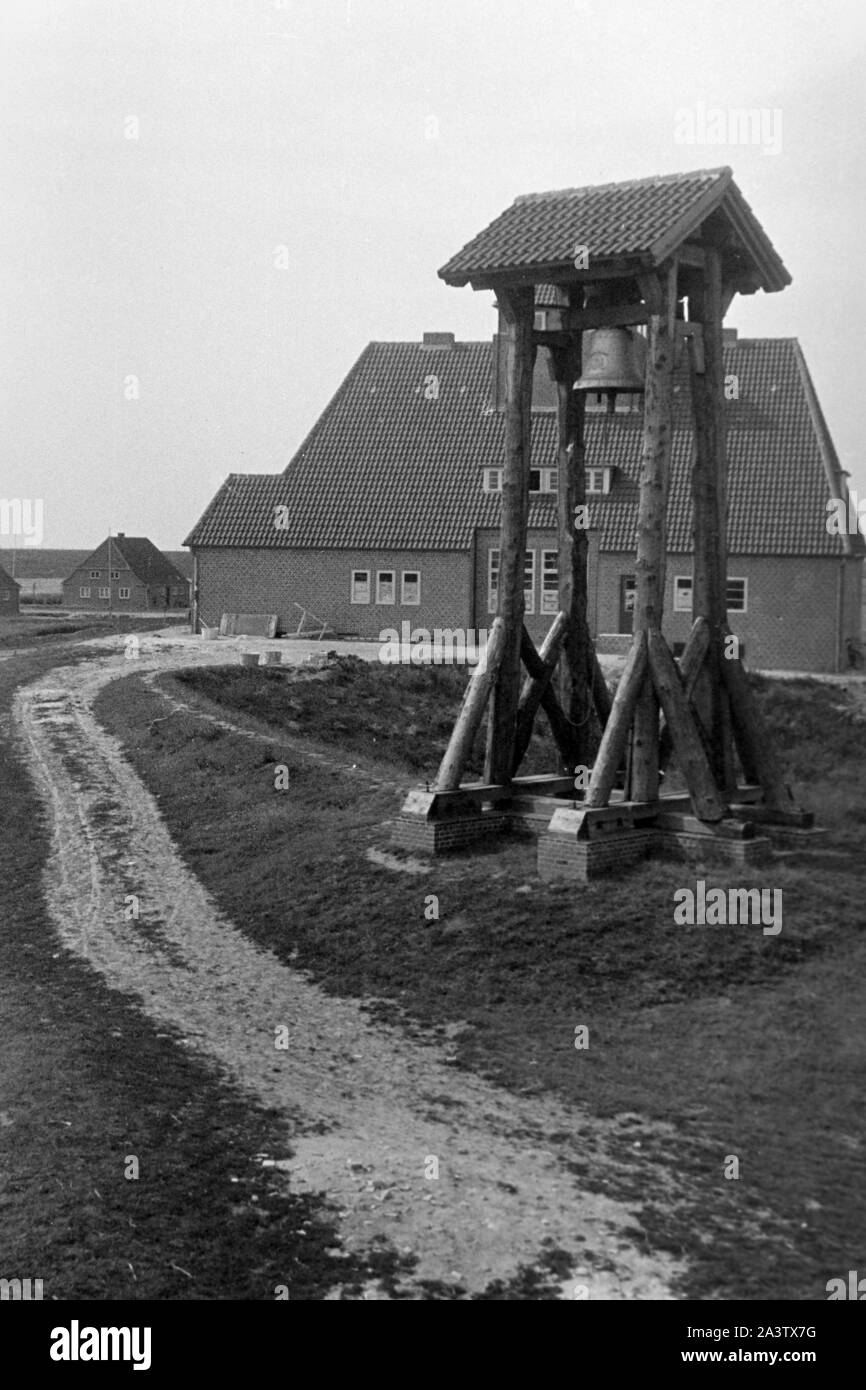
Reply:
x=613, y=360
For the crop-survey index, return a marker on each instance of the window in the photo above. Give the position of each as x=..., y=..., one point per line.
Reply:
x=627, y=402
x=104, y=593
x=360, y=586
x=736, y=595
x=5, y=596
x=493, y=480
x=123, y=593
x=492, y=580
x=549, y=582
x=94, y=574
x=683, y=593
x=114, y=574
x=598, y=480
x=385, y=586
x=529, y=580
x=410, y=587
x=543, y=479
x=84, y=591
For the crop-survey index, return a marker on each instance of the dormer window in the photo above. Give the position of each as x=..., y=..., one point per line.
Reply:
x=598, y=480
x=627, y=402
x=493, y=480
x=543, y=479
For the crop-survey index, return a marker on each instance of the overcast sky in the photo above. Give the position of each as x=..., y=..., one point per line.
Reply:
x=157, y=153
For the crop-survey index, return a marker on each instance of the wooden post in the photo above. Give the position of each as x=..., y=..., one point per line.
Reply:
x=616, y=733
x=757, y=753
x=660, y=293
x=471, y=711
x=706, y=800
x=576, y=669
x=651, y=557
x=709, y=495
x=691, y=665
x=518, y=313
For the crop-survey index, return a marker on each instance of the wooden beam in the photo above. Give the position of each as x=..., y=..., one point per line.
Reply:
x=605, y=316
x=576, y=668
x=643, y=781
x=754, y=744
x=615, y=736
x=709, y=499
x=559, y=725
x=600, y=692
x=471, y=711
x=688, y=749
x=518, y=308
x=536, y=682
x=655, y=457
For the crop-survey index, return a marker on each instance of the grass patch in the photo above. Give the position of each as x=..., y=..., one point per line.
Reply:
x=745, y=1044
x=401, y=715
x=88, y=1081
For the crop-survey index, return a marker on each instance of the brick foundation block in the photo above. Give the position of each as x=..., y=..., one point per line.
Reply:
x=449, y=833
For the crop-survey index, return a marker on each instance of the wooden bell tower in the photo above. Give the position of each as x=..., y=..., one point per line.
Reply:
x=668, y=254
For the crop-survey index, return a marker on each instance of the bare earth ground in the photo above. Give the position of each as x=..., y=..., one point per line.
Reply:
x=366, y=1109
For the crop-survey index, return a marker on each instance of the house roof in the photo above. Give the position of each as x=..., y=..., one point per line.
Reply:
x=38, y=562
x=641, y=221
x=147, y=563
x=387, y=468
x=6, y=578
x=41, y=562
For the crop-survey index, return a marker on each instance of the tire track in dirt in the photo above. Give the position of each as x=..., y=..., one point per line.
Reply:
x=366, y=1108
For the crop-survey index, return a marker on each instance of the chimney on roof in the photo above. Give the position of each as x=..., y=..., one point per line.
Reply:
x=438, y=340
x=121, y=536
x=729, y=336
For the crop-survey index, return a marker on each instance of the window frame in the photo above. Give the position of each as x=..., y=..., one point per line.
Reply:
x=84, y=591
x=487, y=480
x=529, y=594
x=386, y=602
x=103, y=591
x=410, y=602
x=493, y=569
x=124, y=592
x=95, y=574
x=681, y=579
x=545, y=610
x=737, y=579
x=605, y=472
x=353, y=587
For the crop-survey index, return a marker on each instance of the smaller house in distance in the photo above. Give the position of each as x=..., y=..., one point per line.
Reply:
x=9, y=591
x=126, y=572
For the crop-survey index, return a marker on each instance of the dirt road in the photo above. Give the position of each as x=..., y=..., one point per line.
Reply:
x=466, y=1177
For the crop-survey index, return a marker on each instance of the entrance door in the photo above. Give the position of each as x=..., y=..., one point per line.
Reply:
x=626, y=602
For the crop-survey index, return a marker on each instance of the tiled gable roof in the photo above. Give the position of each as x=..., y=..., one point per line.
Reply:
x=642, y=219
x=146, y=561
x=37, y=562
x=387, y=468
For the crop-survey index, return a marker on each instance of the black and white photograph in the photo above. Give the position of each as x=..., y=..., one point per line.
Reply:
x=432, y=670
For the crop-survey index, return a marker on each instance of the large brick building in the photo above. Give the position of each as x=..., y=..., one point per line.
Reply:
x=389, y=512
x=126, y=573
